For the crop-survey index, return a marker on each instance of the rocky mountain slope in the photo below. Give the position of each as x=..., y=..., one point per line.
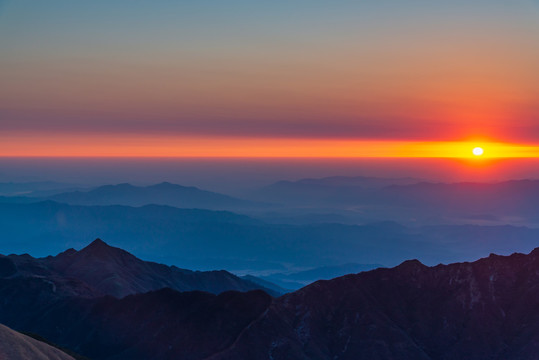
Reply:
x=488, y=309
x=16, y=346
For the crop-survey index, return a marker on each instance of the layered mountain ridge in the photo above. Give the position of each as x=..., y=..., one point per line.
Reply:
x=204, y=239
x=487, y=309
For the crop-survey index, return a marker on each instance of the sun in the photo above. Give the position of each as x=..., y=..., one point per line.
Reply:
x=478, y=151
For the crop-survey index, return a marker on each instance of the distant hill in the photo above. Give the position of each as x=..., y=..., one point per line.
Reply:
x=161, y=194
x=49, y=227
x=326, y=191
x=509, y=197
x=16, y=346
x=298, y=279
x=409, y=201
x=487, y=309
x=100, y=269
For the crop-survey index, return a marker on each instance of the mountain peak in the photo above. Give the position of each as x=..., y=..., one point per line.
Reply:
x=414, y=265
x=164, y=183
x=170, y=186
x=99, y=248
x=97, y=243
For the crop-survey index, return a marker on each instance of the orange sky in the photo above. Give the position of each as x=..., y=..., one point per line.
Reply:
x=276, y=79
x=160, y=146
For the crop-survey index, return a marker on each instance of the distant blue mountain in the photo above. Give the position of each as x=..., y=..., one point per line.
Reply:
x=326, y=191
x=162, y=194
x=407, y=200
x=200, y=239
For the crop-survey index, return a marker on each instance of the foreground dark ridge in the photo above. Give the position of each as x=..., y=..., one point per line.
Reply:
x=487, y=309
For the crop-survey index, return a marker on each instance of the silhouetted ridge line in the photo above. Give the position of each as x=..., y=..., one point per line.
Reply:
x=486, y=309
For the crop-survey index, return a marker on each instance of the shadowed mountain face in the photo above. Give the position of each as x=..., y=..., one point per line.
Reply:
x=100, y=269
x=162, y=194
x=488, y=309
x=163, y=324
x=16, y=346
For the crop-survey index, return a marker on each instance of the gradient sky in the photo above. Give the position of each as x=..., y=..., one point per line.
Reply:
x=244, y=78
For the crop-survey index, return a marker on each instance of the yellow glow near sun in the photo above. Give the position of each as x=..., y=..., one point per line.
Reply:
x=477, y=151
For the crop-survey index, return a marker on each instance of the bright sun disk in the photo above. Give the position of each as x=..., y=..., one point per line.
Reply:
x=477, y=151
